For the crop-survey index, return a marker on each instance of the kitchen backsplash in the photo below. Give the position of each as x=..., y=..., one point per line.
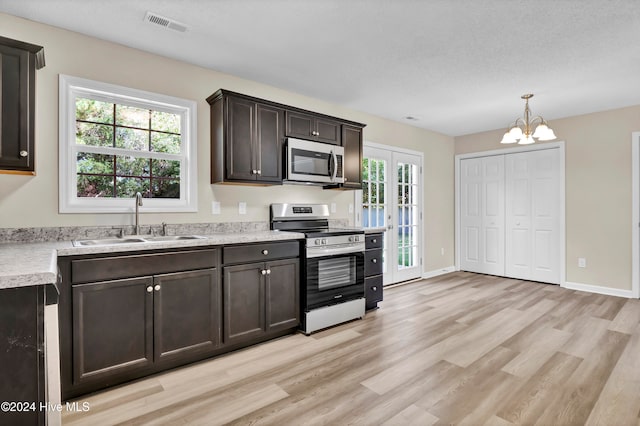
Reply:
x=67, y=233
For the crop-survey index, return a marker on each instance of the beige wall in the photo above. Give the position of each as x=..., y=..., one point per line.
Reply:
x=598, y=191
x=27, y=201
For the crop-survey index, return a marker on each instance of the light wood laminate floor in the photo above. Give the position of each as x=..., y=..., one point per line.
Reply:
x=457, y=349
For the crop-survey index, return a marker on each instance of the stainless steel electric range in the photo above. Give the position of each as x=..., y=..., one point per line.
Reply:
x=333, y=273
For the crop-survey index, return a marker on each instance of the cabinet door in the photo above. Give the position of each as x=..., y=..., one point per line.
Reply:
x=187, y=314
x=373, y=291
x=352, y=164
x=112, y=329
x=269, y=136
x=328, y=131
x=283, y=301
x=240, y=139
x=17, y=98
x=300, y=125
x=244, y=302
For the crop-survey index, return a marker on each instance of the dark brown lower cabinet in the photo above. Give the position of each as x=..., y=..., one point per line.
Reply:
x=116, y=326
x=186, y=308
x=260, y=298
x=124, y=326
x=112, y=328
x=373, y=270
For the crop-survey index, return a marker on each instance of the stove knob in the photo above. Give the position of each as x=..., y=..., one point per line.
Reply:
x=357, y=238
x=324, y=241
x=316, y=242
x=351, y=239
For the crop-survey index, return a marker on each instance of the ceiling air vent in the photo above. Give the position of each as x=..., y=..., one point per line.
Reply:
x=163, y=21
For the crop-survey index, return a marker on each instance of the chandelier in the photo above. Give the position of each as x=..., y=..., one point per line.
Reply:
x=521, y=130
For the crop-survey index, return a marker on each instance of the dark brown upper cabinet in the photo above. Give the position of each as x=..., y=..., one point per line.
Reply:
x=246, y=140
x=313, y=127
x=18, y=64
x=248, y=136
x=352, y=143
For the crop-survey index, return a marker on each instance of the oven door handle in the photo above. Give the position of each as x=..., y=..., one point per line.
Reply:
x=325, y=252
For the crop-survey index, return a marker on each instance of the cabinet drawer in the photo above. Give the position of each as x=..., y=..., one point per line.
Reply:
x=245, y=253
x=372, y=262
x=373, y=289
x=111, y=268
x=373, y=241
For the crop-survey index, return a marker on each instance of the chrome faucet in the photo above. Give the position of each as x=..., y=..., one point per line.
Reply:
x=138, y=204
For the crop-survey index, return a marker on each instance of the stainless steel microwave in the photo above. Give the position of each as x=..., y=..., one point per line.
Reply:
x=314, y=162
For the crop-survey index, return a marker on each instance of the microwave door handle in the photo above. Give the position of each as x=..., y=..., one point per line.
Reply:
x=335, y=166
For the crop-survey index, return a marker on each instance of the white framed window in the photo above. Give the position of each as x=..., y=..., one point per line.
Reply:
x=116, y=141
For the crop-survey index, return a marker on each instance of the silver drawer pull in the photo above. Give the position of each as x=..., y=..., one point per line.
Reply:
x=263, y=272
x=374, y=260
x=157, y=287
x=268, y=271
x=23, y=153
x=374, y=241
x=149, y=289
x=337, y=296
x=374, y=288
x=265, y=252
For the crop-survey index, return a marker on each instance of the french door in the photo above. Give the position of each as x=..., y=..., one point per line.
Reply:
x=391, y=200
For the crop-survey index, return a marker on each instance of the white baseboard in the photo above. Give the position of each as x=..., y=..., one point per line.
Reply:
x=431, y=274
x=598, y=289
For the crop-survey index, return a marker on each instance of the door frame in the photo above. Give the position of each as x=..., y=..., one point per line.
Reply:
x=357, y=198
x=635, y=215
x=562, y=229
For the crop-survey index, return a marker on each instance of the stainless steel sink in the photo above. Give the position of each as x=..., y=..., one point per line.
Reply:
x=133, y=240
x=107, y=241
x=174, y=238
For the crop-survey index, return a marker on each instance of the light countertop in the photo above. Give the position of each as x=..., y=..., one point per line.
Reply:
x=27, y=264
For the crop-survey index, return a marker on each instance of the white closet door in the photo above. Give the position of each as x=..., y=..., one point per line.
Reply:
x=533, y=216
x=482, y=215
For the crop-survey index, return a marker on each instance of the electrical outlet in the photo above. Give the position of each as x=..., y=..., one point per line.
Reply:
x=333, y=208
x=442, y=251
x=582, y=262
x=215, y=207
x=350, y=207
x=242, y=208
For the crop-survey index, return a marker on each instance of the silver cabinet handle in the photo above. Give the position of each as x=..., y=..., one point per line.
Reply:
x=374, y=288
x=149, y=289
x=263, y=272
x=374, y=260
x=157, y=287
x=268, y=271
x=253, y=172
x=265, y=252
x=259, y=172
x=374, y=240
x=23, y=153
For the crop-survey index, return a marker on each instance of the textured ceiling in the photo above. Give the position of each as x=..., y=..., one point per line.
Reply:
x=458, y=66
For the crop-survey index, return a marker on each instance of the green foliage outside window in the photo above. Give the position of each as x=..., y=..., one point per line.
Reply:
x=121, y=127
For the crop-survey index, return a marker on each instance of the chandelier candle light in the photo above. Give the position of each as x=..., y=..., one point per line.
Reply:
x=522, y=129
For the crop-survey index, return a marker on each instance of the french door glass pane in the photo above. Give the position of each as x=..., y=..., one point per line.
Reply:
x=407, y=215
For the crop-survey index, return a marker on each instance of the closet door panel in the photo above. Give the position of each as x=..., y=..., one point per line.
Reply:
x=493, y=215
x=471, y=215
x=532, y=216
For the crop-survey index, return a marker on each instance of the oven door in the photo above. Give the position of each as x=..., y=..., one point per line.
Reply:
x=333, y=279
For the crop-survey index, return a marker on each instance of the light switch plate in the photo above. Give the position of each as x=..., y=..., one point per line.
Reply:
x=215, y=207
x=333, y=208
x=350, y=207
x=242, y=208
x=582, y=262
